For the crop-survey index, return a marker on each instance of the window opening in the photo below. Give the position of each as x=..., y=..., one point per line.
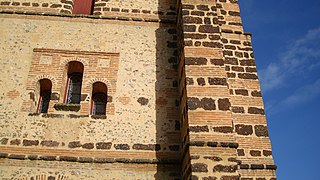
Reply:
x=45, y=95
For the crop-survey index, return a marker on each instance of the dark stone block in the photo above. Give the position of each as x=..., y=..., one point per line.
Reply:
x=254, y=110
x=192, y=20
x=3, y=155
x=234, y=160
x=217, y=62
x=235, y=42
x=123, y=160
x=223, y=168
x=194, y=157
x=52, y=115
x=234, y=13
x=189, y=28
x=231, y=75
x=122, y=146
x=67, y=107
x=247, y=76
x=198, y=129
x=231, y=61
x=17, y=156
x=213, y=158
x=199, y=167
x=267, y=153
x=4, y=141
x=98, y=116
x=257, y=166
x=195, y=61
x=48, y=158
x=237, y=69
x=208, y=29
x=193, y=103
x=143, y=101
x=217, y=81
x=51, y=178
x=239, y=54
x=208, y=104
x=103, y=145
x=68, y=158
x=244, y=166
x=55, y=96
x=195, y=36
x=236, y=109
x=244, y=129
x=201, y=81
x=224, y=104
x=15, y=142
x=256, y=94
x=74, y=144
x=255, y=153
x=209, y=178
x=104, y=160
x=240, y=152
x=203, y=7
x=247, y=62
x=272, y=167
x=85, y=160
x=242, y=92
x=33, y=157
x=49, y=143
x=194, y=177
x=261, y=131
x=212, y=144
x=223, y=129
x=88, y=146
x=230, y=47
x=197, y=13
x=26, y=142
x=54, y=5
x=197, y=143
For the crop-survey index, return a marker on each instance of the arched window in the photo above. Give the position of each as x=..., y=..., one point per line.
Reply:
x=74, y=82
x=45, y=95
x=83, y=7
x=99, y=99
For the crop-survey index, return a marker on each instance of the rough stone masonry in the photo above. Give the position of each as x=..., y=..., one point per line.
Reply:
x=182, y=95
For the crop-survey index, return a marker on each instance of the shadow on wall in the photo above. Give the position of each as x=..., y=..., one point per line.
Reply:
x=167, y=94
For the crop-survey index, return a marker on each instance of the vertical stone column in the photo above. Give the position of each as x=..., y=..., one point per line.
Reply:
x=209, y=143
x=223, y=126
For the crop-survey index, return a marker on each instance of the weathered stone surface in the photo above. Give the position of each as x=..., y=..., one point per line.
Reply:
x=261, y=131
x=199, y=167
x=244, y=129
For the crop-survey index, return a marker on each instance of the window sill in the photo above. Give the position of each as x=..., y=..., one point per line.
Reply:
x=67, y=107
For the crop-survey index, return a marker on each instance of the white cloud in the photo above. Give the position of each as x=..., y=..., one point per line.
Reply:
x=301, y=57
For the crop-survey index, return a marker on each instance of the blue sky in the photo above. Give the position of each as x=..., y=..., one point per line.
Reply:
x=286, y=42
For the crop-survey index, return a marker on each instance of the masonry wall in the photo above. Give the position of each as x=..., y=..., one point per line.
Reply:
x=184, y=100
x=134, y=59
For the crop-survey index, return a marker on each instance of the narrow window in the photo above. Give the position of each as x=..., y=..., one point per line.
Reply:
x=83, y=7
x=74, y=83
x=99, y=99
x=45, y=95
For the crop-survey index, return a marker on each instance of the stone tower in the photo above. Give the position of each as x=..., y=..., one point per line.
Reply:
x=130, y=89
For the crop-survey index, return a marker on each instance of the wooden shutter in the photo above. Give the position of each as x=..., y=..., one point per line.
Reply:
x=82, y=7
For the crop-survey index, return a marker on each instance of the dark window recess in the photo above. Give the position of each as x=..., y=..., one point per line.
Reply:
x=44, y=95
x=99, y=104
x=74, y=88
x=83, y=7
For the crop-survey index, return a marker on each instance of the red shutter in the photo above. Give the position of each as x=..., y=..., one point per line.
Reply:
x=82, y=7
